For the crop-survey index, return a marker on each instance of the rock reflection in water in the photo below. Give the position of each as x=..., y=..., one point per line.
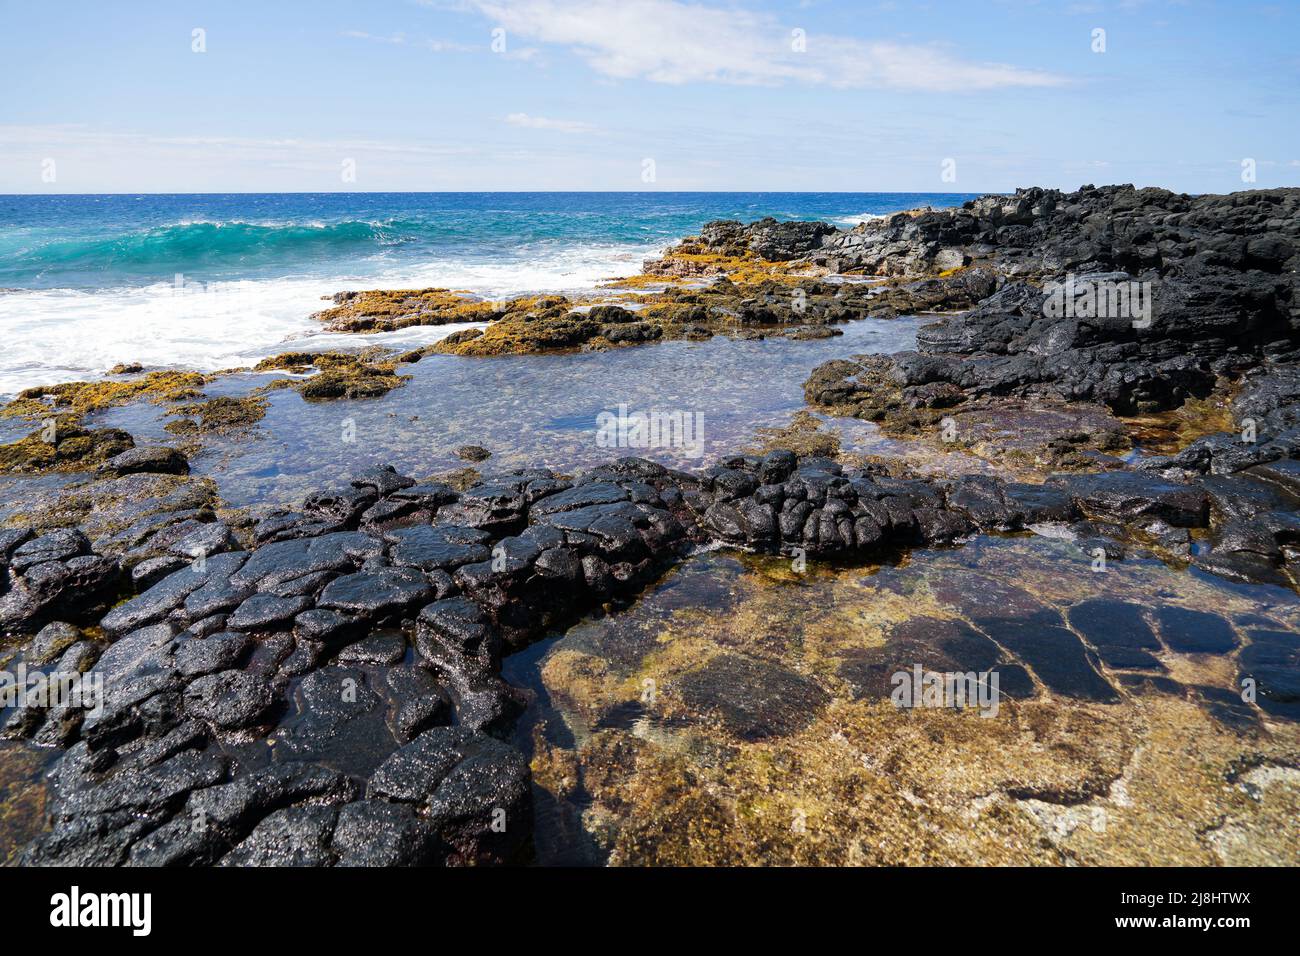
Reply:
x=740, y=714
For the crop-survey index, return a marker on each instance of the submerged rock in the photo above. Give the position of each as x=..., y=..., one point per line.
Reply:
x=753, y=699
x=1195, y=632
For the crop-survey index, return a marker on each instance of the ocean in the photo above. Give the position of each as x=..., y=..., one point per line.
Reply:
x=217, y=281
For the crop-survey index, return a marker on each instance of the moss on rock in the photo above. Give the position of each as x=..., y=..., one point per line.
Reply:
x=366, y=374
x=549, y=325
x=382, y=310
x=79, y=399
x=218, y=415
x=63, y=445
x=803, y=436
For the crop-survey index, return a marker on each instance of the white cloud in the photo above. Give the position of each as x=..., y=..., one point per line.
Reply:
x=397, y=39
x=543, y=122
x=669, y=41
x=401, y=39
x=56, y=136
x=91, y=159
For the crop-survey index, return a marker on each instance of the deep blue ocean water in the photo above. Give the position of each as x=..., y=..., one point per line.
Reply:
x=212, y=281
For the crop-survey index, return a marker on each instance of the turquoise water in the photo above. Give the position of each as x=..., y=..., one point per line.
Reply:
x=218, y=281
x=86, y=242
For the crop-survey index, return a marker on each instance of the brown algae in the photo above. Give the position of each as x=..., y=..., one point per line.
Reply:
x=656, y=764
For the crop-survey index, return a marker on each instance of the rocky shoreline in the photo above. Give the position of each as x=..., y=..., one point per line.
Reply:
x=323, y=685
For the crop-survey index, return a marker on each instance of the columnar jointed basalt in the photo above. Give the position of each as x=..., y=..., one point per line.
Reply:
x=262, y=704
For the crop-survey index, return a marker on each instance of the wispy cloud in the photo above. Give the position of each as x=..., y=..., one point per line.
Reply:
x=668, y=41
x=94, y=159
x=401, y=39
x=56, y=135
x=397, y=39
x=543, y=122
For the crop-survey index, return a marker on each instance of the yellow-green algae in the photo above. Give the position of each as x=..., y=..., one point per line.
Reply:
x=1166, y=433
x=104, y=506
x=62, y=442
x=366, y=374
x=803, y=436
x=545, y=323
x=82, y=398
x=384, y=310
x=1154, y=779
x=687, y=261
x=460, y=479
x=539, y=323
x=218, y=415
x=22, y=798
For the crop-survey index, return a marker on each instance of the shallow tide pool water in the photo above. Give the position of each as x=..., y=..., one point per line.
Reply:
x=741, y=713
x=529, y=411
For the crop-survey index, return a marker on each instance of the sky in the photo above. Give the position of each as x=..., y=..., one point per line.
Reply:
x=393, y=95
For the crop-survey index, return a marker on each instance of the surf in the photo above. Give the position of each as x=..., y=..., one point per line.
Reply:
x=189, y=246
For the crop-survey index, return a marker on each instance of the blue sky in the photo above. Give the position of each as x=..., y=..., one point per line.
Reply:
x=112, y=97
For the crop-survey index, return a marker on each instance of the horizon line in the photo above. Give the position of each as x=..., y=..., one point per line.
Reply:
x=445, y=192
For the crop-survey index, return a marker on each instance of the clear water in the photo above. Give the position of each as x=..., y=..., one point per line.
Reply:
x=528, y=410
x=608, y=689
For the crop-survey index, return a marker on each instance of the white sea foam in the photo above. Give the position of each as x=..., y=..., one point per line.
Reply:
x=575, y=269
x=63, y=335
x=861, y=217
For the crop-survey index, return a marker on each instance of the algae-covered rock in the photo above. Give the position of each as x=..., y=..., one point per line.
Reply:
x=383, y=310
x=652, y=765
x=218, y=414
x=753, y=699
x=549, y=324
x=61, y=445
x=81, y=398
x=348, y=375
